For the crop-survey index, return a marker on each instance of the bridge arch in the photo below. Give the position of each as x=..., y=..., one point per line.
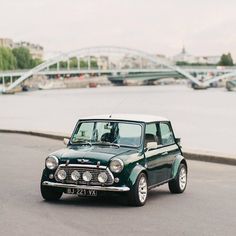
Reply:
x=220, y=77
x=92, y=50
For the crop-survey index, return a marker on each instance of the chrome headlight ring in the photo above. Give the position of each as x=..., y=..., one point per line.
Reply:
x=51, y=162
x=116, y=165
x=102, y=177
x=61, y=175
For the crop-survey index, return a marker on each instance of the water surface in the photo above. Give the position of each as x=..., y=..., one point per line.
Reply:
x=203, y=119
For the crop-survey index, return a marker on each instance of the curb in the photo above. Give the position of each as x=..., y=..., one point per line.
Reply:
x=196, y=155
x=56, y=136
x=208, y=157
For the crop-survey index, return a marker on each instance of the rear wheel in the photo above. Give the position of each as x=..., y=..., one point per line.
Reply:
x=138, y=194
x=178, y=185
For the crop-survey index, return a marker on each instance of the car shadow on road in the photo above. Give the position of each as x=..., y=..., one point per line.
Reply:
x=159, y=194
x=106, y=201
x=75, y=201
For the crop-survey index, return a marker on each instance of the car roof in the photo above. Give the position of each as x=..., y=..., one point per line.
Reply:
x=127, y=117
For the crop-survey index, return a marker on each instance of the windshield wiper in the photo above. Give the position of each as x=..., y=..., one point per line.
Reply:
x=107, y=144
x=82, y=142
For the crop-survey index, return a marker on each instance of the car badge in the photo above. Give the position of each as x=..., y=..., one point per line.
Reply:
x=83, y=160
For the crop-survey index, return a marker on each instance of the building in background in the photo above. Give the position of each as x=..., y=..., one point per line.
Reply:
x=163, y=58
x=36, y=50
x=212, y=59
x=103, y=62
x=6, y=43
x=185, y=57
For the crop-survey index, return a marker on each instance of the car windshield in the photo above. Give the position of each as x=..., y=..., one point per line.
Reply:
x=108, y=133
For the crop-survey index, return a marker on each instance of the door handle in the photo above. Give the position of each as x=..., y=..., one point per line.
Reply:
x=164, y=153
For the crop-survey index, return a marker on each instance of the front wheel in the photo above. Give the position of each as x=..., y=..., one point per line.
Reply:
x=138, y=194
x=50, y=194
x=178, y=185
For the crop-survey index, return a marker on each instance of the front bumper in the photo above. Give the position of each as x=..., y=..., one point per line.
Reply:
x=98, y=188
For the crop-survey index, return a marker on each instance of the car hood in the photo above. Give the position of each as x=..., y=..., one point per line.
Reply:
x=91, y=155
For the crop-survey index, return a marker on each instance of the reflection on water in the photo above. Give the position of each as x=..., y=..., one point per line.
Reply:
x=203, y=119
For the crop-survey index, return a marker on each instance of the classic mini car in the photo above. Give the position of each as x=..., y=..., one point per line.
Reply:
x=125, y=154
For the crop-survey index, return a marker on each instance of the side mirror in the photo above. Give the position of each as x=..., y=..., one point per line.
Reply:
x=151, y=146
x=178, y=141
x=66, y=141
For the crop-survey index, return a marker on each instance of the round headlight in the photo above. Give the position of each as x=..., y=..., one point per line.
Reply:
x=87, y=176
x=116, y=165
x=51, y=162
x=102, y=177
x=75, y=175
x=61, y=174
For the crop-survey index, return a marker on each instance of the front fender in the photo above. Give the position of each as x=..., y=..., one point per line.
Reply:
x=179, y=159
x=134, y=174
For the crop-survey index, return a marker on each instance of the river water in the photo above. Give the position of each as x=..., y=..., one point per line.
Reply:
x=204, y=119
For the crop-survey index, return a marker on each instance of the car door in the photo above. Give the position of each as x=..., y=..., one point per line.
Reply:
x=169, y=149
x=155, y=159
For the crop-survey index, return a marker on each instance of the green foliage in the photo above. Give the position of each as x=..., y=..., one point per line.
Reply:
x=226, y=60
x=23, y=58
x=73, y=62
x=7, y=59
x=94, y=64
x=17, y=58
x=63, y=64
x=184, y=63
x=53, y=67
x=83, y=64
x=37, y=61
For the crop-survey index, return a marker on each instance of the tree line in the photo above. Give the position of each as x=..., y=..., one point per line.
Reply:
x=20, y=58
x=75, y=63
x=225, y=60
x=17, y=58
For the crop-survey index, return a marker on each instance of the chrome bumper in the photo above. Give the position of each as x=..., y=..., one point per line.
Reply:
x=98, y=188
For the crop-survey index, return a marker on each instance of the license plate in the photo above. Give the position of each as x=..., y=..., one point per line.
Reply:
x=82, y=192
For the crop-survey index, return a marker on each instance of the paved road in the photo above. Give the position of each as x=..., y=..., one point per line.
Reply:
x=206, y=208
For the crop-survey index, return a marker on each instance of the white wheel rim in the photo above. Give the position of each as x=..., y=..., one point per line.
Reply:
x=142, y=189
x=182, y=178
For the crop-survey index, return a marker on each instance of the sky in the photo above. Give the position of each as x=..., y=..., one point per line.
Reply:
x=204, y=27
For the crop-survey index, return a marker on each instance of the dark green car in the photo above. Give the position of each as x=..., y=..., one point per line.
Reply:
x=125, y=154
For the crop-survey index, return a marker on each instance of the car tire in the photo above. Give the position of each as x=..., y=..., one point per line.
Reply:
x=50, y=193
x=138, y=193
x=179, y=183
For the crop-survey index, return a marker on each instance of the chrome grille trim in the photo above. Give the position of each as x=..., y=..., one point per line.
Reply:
x=93, y=169
x=98, y=188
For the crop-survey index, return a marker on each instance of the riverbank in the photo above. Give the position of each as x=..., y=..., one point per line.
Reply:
x=198, y=155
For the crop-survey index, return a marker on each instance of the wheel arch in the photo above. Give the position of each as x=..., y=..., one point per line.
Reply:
x=135, y=173
x=185, y=163
x=179, y=160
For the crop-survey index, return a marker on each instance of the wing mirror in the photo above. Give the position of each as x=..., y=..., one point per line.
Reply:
x=178, y=141
x=151, y=146
x=66, y=141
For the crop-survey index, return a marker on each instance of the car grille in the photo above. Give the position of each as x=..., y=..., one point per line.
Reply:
x=93, y=170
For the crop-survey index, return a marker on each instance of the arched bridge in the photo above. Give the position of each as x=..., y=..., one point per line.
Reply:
x=143, y=62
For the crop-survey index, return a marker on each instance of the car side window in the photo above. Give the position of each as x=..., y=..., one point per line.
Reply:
x=167, y=136
x=151, y=134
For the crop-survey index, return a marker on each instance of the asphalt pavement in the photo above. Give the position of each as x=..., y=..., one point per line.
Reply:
x=207, y=207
